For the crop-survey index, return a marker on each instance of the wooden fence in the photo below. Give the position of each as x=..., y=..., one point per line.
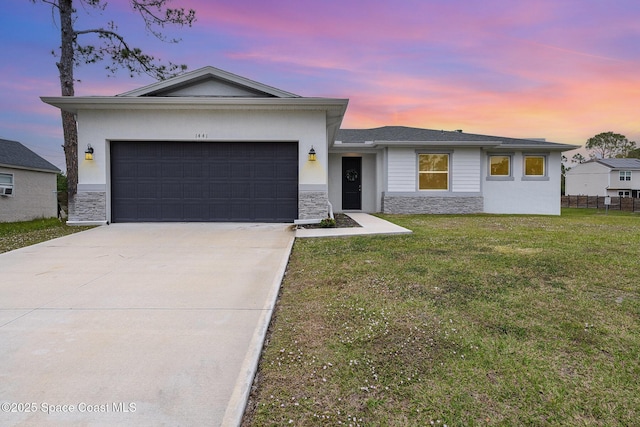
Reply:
x=597, y=202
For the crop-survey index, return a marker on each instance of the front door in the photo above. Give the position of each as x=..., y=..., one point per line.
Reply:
x=352, y=183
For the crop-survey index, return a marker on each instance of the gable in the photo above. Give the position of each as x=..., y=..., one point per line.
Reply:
x=588, y=168
x=209, y=82
x=214, y=88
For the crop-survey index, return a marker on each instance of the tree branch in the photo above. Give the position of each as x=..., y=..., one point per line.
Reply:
x=122, y=55
x=153, y=18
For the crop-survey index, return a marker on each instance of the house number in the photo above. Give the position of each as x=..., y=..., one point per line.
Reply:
x=202, y=136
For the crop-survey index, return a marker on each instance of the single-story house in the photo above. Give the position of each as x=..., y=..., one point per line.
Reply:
x=604, y=177
x=28, y=184
x=209, y=145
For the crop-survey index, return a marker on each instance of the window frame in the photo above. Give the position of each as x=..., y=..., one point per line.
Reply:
x=11, y=184
x=545, y=166
x=625, y=175
x=508, y=177
x=419, y=172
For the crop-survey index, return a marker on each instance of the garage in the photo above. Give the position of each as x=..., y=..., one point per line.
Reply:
x=173, y=181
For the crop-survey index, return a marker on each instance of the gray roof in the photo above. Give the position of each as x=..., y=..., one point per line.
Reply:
x=620, y=163
x=14, y=154
x=409, y=134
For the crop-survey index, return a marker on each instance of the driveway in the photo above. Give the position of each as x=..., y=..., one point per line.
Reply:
x=137, y=324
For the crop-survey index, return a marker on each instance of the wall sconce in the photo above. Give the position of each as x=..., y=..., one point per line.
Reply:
x=312, y=154
x=88, y=153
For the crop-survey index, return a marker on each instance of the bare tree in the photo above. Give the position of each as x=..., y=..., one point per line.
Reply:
x=111, y=46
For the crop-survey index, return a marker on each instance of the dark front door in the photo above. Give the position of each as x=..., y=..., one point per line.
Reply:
x=352, y=183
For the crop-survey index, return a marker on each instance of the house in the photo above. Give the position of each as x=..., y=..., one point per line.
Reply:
x=209, y=145
x=605, y=177
x=27, y=184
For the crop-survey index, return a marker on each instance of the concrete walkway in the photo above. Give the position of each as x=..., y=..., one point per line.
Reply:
x=369, y=225
x=137, y=324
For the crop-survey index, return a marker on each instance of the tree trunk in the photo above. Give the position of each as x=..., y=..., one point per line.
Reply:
x=65, y=68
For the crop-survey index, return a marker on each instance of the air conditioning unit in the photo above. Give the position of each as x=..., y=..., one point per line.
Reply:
x=6, y=191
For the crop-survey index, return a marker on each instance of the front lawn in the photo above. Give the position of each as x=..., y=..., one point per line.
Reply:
x=471, y=320
x=14, y=235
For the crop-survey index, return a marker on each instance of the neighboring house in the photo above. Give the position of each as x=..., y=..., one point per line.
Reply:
x=213, y=146
x=27, y=184
x=604, y=177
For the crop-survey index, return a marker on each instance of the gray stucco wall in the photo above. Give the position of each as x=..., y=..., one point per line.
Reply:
x=34, y=196
x=417, y=203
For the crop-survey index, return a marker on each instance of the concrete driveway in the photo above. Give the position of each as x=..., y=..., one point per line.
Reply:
x=137, y=324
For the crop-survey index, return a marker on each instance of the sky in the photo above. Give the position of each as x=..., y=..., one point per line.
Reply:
x=564, y=70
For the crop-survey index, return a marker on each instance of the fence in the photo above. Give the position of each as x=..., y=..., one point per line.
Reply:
x=597, y=202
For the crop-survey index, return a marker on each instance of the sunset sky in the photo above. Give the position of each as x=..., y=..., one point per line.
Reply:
x=564, y=70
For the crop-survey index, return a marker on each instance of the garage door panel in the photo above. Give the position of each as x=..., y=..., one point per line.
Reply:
x=193, y=191
x=265, y=170
x=218, y=169
x=171, y=210
x=195, y=212
x=208, y=181
x=194, y=169
x=240, y=190
x=171, y=170
x=239, y=169
x=146, y=189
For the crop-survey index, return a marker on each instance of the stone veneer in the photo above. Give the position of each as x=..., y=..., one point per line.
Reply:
x=88, y=206
x=420, y=204
x=313, y=204
x=91, y=206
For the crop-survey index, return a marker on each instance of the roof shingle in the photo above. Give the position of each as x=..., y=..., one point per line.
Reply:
x=620, y=163
x=410, y=134
x=13, y=153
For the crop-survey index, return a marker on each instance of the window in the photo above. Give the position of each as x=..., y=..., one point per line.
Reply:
x=623, y=193
x=500, y=165
x=433, y=172
x=6, y=184
x=534, y=165
x=625, y=175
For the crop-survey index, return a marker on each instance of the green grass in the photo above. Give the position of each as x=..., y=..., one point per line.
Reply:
x=471, y=320
x=14, y=235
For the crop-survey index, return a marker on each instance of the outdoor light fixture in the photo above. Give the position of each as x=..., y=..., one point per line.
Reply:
x=88, y=153
x=312, y=154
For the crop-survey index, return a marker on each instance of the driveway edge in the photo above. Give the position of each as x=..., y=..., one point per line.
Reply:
x=240, y=396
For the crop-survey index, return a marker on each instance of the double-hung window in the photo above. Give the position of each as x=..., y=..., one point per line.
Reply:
x=625, y=175
x=433, y=171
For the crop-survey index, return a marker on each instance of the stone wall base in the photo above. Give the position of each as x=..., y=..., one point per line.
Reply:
x=91, y=206
x=313, y=205
x=418, y=204
x=88, y=206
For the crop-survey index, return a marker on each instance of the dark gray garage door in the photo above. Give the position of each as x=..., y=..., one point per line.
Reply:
x=204, y=181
